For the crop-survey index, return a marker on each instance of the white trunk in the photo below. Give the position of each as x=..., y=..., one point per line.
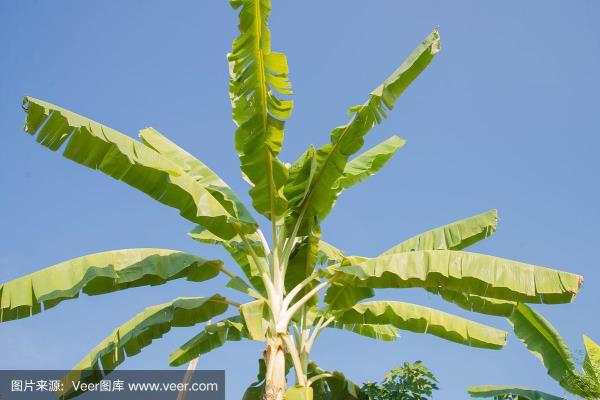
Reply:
x=274, y=356
x=187, y=378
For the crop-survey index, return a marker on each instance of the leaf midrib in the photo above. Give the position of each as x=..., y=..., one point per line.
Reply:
x=263, y=97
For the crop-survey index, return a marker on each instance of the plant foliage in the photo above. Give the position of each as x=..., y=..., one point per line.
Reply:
x=544, y=342
x=295, y=284
x=411, y=381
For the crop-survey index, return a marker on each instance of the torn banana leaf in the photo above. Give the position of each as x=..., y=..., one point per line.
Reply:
x=454, y=236
x=99, y=147
x=98, y=274
x=212, y=336
x=346, y=140
x=257, y=78
x=466, y=272
x=130, y=338
x=419, y=319
x=544, y=341
x=474, y=303
x=199, y=171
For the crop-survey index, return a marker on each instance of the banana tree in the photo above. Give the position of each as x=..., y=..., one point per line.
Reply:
x=544, y=342
x=297, y=284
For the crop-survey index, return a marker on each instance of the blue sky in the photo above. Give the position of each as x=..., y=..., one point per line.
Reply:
x=506, y=117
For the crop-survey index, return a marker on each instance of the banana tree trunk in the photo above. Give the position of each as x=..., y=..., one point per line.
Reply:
x=187, y=378
x=274, y=356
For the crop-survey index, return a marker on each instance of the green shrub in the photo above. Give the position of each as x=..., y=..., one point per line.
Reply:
x=409, y=382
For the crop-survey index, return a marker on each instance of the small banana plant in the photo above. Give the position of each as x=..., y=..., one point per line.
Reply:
x=297, y=284
x=544, y=342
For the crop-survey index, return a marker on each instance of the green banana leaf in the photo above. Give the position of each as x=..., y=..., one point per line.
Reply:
x=99, y=273
x=99, y=147
x=199, y=171
x=386, y=333
x=544, y=341
x=474, y=303
x=340, y=297
x=419, y=319
x=466, y=272
x=454, y=236
x=212, y=336
x=329, y=254
x=368, y=163
x=235, y=247
x=253, y=314
x=301, y=174
x=237, y=283
x=346, y=140
x=333, y=387
x=257, y=77
x=139, y=332
x=305, y=254
x=517, y=393
x=301, y=265
x=256, y=389
x=591, y=364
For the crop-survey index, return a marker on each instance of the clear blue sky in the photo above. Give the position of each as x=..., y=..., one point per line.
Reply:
x=506, y=117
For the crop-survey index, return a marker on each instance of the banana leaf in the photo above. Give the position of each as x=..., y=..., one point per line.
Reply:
x=386, y=333
x=130, y=338
x=256, y=389
x=257, y=76
x=346, y=140
x=236, y=248
x=99, y=147
x=368, y=163
x=454, y=236
x=474, y=303
x=99, y=273
x=544, y=341
x=591, y=364
x=333, y=386
x=341, y=297
x=253, y=314
x=199, y=171
x=503, y=392
x=471, y=273
x=421, y=319
x=212, y=337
